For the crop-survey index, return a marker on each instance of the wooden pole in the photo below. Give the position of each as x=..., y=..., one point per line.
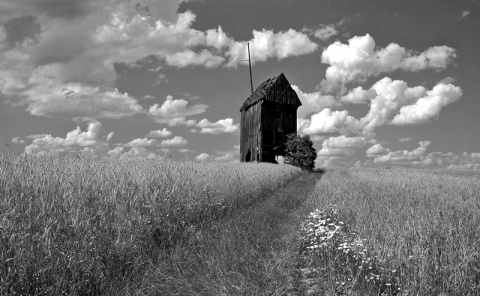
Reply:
x=250, y=66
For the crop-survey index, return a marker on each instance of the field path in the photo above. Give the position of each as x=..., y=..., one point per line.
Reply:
x=251, y=252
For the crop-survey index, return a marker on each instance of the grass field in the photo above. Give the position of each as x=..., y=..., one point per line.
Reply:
x=414, y=232
x=108, y=226
x=90, y=226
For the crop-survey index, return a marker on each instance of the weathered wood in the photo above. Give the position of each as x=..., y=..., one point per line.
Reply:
x=267, y=116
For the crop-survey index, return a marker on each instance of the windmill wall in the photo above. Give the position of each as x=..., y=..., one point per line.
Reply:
x=267, y=117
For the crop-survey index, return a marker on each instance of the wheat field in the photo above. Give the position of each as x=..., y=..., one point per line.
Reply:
x=417, y=231
x=86, y=225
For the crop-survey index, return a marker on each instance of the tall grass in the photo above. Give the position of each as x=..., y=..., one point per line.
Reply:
x=424, y=225
x=86, y=226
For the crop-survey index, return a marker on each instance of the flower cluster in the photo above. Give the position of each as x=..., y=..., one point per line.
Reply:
x=321, y=230
x=331, y=249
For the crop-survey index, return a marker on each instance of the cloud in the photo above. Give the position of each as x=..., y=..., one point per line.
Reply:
x=360, y=59
x=359, y=96
x=267, y=44
x=223, y=126
x=232, y=156
x=188, y=57
x=437, y=57
x=451, y=160
x=17, y=140
x=339, y=150
x=401, y=140
x=76, y=100
x=428, y=107
x=159, y=133
x=50, y=8
x=134, y=151
x=403, y=157
x=139, y=152
x=391, y=95
x=175, y=141
x=140, y=143
x=54, y=45
x=174, y=111
x=328, y=121
x=448, y=80
x=464, y=14
x=325, y=32
x=20, y=30
x=117, y=151
x=203, y=157
x=345, y=142
x=313, y=102
x=419, y=158
x=336, y=157
x=228, y=157
x=377, y=150
x=185, y=150
x=90, y=140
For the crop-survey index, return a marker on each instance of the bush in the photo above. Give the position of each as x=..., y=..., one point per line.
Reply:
x=299, y=152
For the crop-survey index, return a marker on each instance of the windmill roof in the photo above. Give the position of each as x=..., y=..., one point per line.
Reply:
x=262, y=91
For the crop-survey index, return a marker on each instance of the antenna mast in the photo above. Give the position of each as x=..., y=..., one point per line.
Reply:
x=250, y=66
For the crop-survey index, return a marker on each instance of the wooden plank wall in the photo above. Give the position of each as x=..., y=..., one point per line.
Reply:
x=278, y=120
x=282, y=92
x=265, y=124
x=250, y=133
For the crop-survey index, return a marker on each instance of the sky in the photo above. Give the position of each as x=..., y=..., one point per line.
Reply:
x=382, y=83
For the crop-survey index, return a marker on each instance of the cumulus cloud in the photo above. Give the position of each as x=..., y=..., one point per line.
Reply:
x=75, y=100
x=360, y=59
x=222, y=156
x=401, y=140
x=223, y=126
x=115, y=152
x=419, y=158
x=428, y=107
x=50, y=8
x=359, y=95
x=313, y=102
x=203, y=157
x=174, y=111
x=345, y=142
x=56, y=45
x=377, y=150
x=403, y=156
x=135, y=151
x=391, y=95
x=325, y=32
x=340, y=149
x=18, y=140
x=89, y=141
x=390, y=102
x=451, y=160
x=139, y=152
x=159, y=133
x=189, y=57
x=145, y=142
x=267, y=44
x=328, y=121
x=185, y=150
x=464, y=14
x=228, y=157
x=176, y=108
x=20, y=30
x=175, y=141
